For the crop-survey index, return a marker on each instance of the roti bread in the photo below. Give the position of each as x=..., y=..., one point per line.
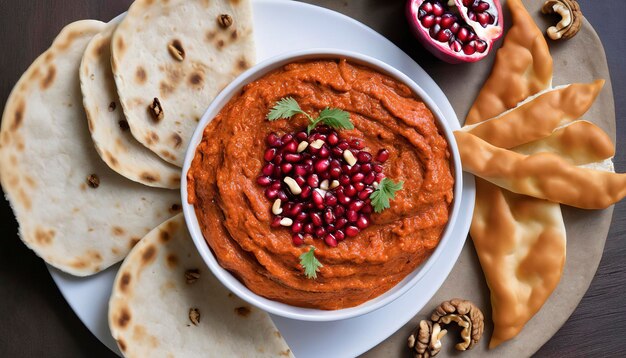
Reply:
x=73, y=211
x=170, y=59
x=108, y=126
x=167, y=303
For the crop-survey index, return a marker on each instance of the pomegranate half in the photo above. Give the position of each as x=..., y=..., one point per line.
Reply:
x=456, y=31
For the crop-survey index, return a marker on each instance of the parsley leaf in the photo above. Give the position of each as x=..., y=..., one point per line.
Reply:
x=386, y=190
x=332, y=117
x=310, y=263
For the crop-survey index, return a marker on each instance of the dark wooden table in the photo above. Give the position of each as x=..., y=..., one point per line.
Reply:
x=35, y=320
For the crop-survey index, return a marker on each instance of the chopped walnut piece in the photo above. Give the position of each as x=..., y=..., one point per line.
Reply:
x=192, y=275
x=466, y=315
x=194, y=316
x=93, y=181
x=571, y=18
x=425, y=341
x=156, y=110
x=224, y=20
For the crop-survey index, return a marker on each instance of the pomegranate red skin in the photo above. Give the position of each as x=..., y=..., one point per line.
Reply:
x=441, y=50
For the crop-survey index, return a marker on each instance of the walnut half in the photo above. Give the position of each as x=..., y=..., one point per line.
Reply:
x=425, y=341
x=466, y=315
x=571, y=18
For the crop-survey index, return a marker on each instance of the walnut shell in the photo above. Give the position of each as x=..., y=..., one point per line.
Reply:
x=466, y=315
x=571, y=18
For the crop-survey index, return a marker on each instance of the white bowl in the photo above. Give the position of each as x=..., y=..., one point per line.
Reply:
x=282, y=309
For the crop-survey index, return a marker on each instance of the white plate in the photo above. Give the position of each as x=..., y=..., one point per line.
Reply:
x=304, y=26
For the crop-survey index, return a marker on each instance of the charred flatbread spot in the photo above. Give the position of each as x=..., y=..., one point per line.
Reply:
x=243, y=311
x=175, y=208
x=69, y=40
x=164, y=236
x=233, y=35
x=124, y=318
x=124, y=281
x=220, y=44
x=115, y=251
x=234, y=2
x=242, y=64
x=176, y=138
x=111, y=159
x=48, y=57
x=176, y=50
x=156, y=110
x=18, y=116
x=47, y=81
x=196, y=79
x=133, y=241
x=191, y=276
x=149, y=254
x=140, y=75
x=151, y=178
x=93, y=181
x=117, y=231
x=286, y=352
x=112, y=106
x=120, y=45
x=210, y=35
x=89, y=121
x=277, y=334
x=123, y=125
x=175, y=179
x=24, y=199
x=172, y=260
x=122, y=345
x=79, y=264
x=44, y=237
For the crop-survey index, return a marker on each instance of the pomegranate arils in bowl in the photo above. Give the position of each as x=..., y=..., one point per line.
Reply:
x=456, y=31
x=320, y=184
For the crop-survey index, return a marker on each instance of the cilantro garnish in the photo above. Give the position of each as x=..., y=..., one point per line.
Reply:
x=310, y=263
x=332, y=117
x=386, y=190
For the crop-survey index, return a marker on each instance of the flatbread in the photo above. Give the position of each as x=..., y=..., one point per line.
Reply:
x=542, y=175
x=539, y=116
x=524, y=64
x=146, y=66
x=47, y=157
x=108, y=126
x=523, y=67
x=161, y=285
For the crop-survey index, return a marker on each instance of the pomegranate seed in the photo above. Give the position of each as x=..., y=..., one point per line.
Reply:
x=300, y=170
x=469, y=48
x=481, y=46
x=300, y=181
x=278, y=159
x=295, y=210
x=316, y=219
x=366, y=168
x=362, y=222
x=339, y=235
x=377, y=168
x=330, y=228
x=355, y=169
x=343, y=144
x=357, y=144
x=366, y=193
x=456, y=46
x=271, y=193
x=352, y=216
x=282, y=196
x=447, y=20
x=357, y=205
x=301, y=136
x=483, y=19
x=276, y=221
x=324, y=152
x=306, y=192
x=468, y=3
x=320, y=232
x=491, y=20
x=428, y=21
x=269, y=154
x=296, y=227
x=345, y=200
x=455, y=28
x=438, y=10
x=339, y=211
x=359, y=186
x=367, y=209
x=481, y=6
x=335, y=173
x=268, y=169
x=434, y=31
x=263, y=181
x=291, y=147
x=358, y=177
x=273, y=140
x=330, y=240
x=382, y=155
x=344, y=179
x=286, y=138
x=292, y=158
x=471, y=16
x=444, y=36
x=330, y=199
x=297, y=239
x=462, y=35
x=369, y=178
x=325, y=175
x=350, y=190
x=321, y=165
x=286, y=167
x=341, y=222
x=427, y=7
x=301, y=217
x=309, y=228
x=313, y=180
x=337, y=152
x=329, y=217
x=364, y=157
x=333, y=138
x=379, y=177
x=318, y=199
x=352, y=231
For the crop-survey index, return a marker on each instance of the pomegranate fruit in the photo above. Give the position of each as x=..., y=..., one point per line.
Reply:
x=456, y=31
x=313, y=190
